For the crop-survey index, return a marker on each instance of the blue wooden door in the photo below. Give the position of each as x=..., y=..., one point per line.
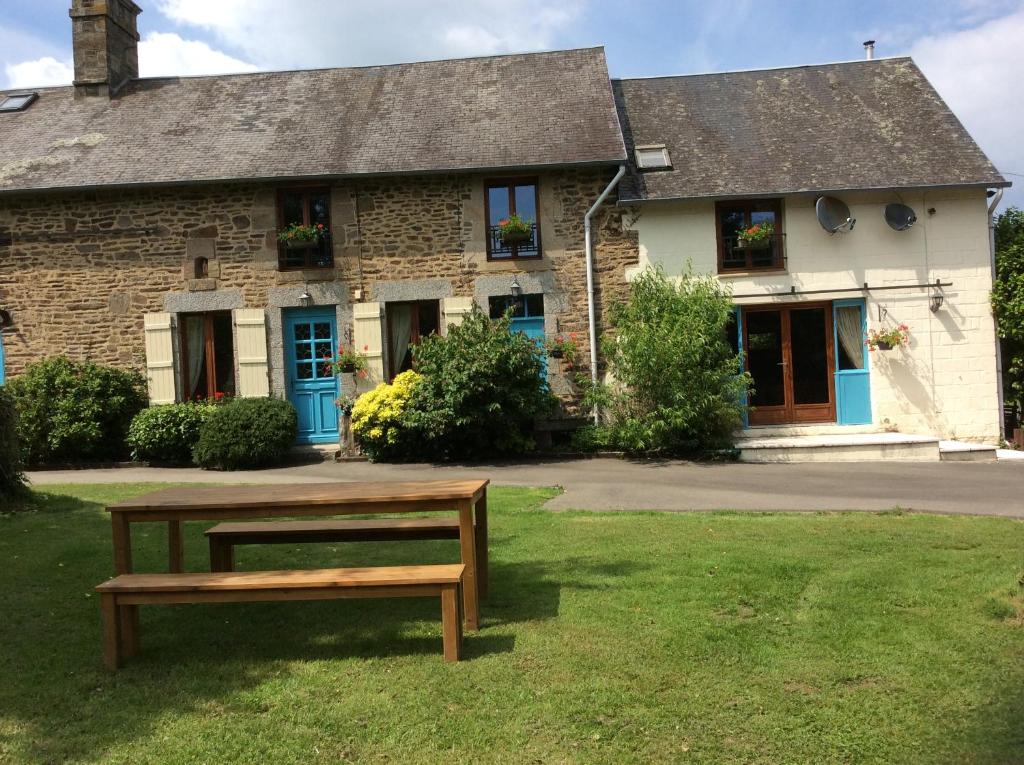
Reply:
x=310, y=337
x=853, y=380
x=533, y=328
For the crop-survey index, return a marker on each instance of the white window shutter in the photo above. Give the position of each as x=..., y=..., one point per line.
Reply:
x=251, y=351
x=454, y=310
x=159, y=358
x=368, y=338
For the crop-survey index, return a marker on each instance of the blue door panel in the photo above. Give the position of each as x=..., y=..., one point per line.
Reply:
x=533, y=328
x=310, y=340
x=853, y=386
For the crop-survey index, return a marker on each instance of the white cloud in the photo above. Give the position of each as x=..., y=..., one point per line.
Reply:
x=165, y=54
x=39, y=73
x=318, y=33
x=977, y=71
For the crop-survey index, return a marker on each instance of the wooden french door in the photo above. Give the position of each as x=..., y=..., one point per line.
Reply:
x=789, y=352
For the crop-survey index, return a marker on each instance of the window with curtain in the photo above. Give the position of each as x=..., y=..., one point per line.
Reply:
x=850, y=334
x=408, y=323
x=505, y=198
x=305, y=207
x=740, y=248
x=208, y=356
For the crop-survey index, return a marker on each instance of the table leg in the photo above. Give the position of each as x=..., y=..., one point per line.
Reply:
x=175, y=547
x=467, y=541
x=128, y=616
x=482, y=563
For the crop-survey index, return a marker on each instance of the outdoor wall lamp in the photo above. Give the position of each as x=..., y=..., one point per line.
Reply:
x=515, y=288
x=935, y=302
x=305, y=299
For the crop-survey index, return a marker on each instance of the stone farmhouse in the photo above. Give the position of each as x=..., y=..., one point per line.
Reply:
x=140, y=221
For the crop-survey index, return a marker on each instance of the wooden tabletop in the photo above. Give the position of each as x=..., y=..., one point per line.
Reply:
x=300, y=495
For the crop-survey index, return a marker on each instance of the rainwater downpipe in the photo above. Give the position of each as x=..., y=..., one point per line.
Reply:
x=996, y=199
x=588, y=245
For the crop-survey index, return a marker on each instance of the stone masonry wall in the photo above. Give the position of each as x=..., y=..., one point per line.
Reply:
x=79, y=270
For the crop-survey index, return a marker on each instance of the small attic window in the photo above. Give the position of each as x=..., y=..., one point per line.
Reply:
x=16, y=102
x=653, y=157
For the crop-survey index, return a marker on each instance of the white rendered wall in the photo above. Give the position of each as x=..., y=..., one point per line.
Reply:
x=944, y=383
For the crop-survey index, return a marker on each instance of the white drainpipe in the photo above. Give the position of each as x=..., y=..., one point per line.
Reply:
x=589, y=247
x=999, y=351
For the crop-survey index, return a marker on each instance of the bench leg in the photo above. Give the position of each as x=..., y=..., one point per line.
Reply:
x=222, y=555
x=111, y=632
x=175, y=547
x=451, y=624
x=481, y=546
x=128, y=619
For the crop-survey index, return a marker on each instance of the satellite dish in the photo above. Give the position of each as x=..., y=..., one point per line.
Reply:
x=833, y=215
x=899, y=216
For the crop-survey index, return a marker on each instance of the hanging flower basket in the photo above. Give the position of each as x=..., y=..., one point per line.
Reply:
x=556, y=353
x=348, y=368
x=561, y=346
x=887, y=339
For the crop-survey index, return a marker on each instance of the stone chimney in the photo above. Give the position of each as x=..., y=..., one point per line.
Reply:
x=105, y=38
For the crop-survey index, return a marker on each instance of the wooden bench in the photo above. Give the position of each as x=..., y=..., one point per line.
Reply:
x=224, y=536
x=128, y=591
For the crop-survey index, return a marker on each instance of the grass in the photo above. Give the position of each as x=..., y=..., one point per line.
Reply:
x=608, y=638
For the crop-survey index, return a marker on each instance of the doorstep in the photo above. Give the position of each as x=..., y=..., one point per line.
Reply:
x=837, y=447
x=961, y=451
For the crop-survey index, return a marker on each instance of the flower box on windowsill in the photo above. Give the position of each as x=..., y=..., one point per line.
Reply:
x=300, y=244
x=753, y=244
x=515, y=238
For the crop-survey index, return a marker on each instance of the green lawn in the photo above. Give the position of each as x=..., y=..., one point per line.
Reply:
x=612, y=638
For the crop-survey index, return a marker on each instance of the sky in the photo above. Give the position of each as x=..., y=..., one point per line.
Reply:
x=972, y=51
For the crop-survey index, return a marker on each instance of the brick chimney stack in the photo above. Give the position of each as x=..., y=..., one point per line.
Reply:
x=105, y=38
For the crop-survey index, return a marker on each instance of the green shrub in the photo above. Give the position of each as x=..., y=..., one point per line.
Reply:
x=75, y=411
x=12, y=480
x=247, y=433
x=378, y=419
x=676, y=386
x=483, y=387
x=168, y=433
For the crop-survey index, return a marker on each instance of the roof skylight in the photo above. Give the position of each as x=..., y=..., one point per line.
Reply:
x=16, y=102
x=653, y=157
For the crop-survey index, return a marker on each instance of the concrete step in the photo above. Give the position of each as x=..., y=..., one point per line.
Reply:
x=843, y=447
x=821, y=429
x=961, y=451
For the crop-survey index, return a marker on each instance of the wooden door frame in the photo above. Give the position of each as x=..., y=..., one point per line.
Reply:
x=414, y=326
x=791, y=413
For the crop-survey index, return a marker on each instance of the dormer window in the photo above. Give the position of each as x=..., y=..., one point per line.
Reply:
x=17, y=102
x=653, y=157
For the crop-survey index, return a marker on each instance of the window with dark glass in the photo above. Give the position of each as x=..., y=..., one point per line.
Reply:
x=742, y=246
x=505, y=199
x=305, y=207
x=523, y=306
x=208, y=355
x=408, y=323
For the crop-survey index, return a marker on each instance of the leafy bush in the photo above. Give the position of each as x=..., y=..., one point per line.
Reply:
x=75, y=411
x=247, y=433
x=168, y=433
x=377, y=419
x=12, y=481
x=676, y=386
x=1008, y=301
x=483, y=387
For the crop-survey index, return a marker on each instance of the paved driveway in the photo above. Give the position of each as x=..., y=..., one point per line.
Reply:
x=991, y=488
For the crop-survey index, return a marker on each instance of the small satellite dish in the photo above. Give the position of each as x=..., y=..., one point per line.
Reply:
x=899, y=216
x=833, y=215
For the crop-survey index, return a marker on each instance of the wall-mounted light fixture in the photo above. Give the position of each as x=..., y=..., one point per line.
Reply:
x=305, y=299
x=935, y=302
x=515, y=288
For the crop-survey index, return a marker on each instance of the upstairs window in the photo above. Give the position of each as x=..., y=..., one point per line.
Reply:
x=16, y=102
x=309, y=208
x=512, y=201
x=653, y=157
x=749, y=235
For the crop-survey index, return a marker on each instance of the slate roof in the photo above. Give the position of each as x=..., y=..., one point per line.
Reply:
x=514, y=111
x=859, y=125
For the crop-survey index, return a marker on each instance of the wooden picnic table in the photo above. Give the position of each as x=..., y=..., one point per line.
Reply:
x=211, y=503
